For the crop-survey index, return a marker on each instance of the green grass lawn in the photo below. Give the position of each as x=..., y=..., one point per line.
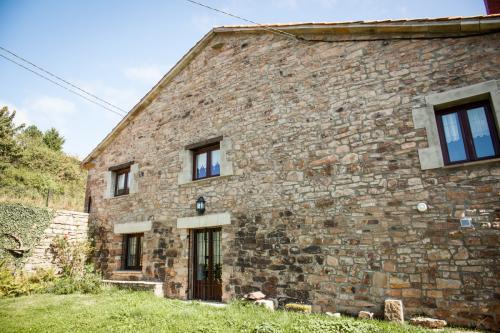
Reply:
x=128, y=311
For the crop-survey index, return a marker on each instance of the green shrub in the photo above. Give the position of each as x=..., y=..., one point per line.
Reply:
x=88, y=283
x=71, y=257
x=17, y=283
x=74, y=274
x=266, y=328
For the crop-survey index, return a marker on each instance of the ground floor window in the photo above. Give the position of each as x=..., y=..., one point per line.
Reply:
x=132, y=258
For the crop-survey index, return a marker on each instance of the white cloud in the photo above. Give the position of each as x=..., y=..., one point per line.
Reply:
x=47, y=111
x=148, y=74
x=124, y=98
x=51, y=106
x=21, y=116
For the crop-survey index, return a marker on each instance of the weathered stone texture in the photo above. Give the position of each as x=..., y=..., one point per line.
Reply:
x=70, y=224
x=393, y=310
x=428, y=322
x=326, y=177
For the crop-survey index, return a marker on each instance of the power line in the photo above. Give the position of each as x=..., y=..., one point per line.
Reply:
x=60, y=85
x=300, y=38
x=63, y=80
x=265, y=27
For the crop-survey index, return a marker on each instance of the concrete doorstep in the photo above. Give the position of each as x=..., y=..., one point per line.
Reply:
x=155, y=287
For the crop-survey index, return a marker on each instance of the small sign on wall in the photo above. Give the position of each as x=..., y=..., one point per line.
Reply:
x=466, y=222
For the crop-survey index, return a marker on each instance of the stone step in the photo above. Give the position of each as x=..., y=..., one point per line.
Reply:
x=155, y=287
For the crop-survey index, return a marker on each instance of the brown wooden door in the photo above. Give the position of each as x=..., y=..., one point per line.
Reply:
x=207, y=265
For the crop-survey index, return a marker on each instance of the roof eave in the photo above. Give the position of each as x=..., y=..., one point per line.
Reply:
x=425, y=27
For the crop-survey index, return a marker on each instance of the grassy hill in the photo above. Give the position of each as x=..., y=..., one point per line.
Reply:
x=34, y=166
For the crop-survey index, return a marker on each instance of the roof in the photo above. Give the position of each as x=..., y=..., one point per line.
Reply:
x=322, y=31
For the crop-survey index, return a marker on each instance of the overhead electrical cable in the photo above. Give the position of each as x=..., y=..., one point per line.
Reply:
x=263, y=26
x=303, y=39
x=62, y=86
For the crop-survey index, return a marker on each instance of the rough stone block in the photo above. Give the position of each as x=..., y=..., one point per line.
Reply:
x=266, y=303
x=333, y=314
x=393, y=310
x=365, y=315
x=254, y=296
x=428, y=322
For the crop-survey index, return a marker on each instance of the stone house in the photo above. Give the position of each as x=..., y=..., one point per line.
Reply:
x=335, y=164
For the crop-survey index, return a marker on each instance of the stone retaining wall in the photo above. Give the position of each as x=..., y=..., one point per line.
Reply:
x=72, y=224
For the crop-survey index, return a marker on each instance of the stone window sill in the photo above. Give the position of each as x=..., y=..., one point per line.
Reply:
x=123, y=196
x=493, y=160
x=205, y=180
x=127, y=272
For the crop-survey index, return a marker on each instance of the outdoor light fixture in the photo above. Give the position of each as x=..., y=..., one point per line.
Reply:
x=200, y=205
x=422, y=207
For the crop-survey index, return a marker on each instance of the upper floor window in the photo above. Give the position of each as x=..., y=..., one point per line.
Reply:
x=122, y=181
x=206, y=162
x=467, y=133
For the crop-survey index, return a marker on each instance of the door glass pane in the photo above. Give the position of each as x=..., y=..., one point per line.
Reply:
x=453, y=136
x=481, y=136
x=201, y=165
x=139, y=254
x=201, y=260
x=131, y=256
x=121, y=181
x=215, y=163
x=217, y=262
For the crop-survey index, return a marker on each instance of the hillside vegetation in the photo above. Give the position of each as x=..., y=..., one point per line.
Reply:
x=33, y=167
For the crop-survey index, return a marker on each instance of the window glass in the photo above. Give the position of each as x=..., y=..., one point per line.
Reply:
x=201, y=165
x=480, y=131
x=453, y=137
x=215, y=163
x=201, y=242
x=131, y=255
x=121, y=181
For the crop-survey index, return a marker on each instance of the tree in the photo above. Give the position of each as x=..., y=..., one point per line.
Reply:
x=29, y=136
x=32, y=132
x=9, y=149
x=53, y=139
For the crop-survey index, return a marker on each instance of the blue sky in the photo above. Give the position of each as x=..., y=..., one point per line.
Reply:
x=119, y=49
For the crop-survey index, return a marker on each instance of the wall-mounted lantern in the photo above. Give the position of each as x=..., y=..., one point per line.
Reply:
x=200, y=205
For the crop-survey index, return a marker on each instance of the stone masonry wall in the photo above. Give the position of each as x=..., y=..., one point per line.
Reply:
x=72, y=224
x=326, y=177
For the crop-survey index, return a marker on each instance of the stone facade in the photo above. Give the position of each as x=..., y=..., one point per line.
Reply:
x=326, y=176
x=72, y=224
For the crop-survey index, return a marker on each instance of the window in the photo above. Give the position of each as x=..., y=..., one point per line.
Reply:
x=132, y=258
x=467, y=133
x=89, y=204
x=122, y=181
x=206, y=162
